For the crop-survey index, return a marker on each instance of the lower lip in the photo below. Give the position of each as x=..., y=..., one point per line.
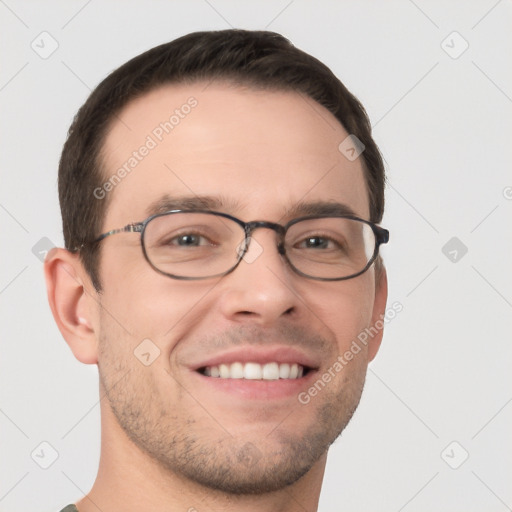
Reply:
x=259, y=389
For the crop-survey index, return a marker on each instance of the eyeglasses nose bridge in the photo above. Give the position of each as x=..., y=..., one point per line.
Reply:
x=250, y=227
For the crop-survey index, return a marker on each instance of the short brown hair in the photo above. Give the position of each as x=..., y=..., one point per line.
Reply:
x=254, y=58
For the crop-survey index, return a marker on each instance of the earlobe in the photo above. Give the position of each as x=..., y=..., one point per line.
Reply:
x=70, y=303
x=379, y=311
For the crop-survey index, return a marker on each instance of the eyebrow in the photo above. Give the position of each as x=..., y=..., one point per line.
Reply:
x=222, y=204
x=304, y=208
x=166, y=203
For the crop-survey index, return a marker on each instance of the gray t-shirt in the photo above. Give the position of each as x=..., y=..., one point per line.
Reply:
x=69, y=508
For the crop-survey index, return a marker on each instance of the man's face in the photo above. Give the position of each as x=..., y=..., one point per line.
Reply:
x=258, y=155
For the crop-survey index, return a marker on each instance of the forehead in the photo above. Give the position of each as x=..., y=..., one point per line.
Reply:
x=260, y=153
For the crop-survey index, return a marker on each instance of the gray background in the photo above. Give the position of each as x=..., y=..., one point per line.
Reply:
x=443, y=121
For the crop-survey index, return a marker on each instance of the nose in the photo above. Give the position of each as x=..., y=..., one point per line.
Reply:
x=261, y=289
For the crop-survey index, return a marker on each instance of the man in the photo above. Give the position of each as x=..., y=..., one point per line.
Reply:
x=220, y=196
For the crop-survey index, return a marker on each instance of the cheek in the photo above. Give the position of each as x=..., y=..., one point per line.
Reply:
x=346, y=307
x=150, y=305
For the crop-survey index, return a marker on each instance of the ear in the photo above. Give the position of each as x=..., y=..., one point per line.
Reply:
x=379, y=310
x=72, y=303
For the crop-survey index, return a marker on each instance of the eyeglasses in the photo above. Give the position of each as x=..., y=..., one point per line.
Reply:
x=201, y=244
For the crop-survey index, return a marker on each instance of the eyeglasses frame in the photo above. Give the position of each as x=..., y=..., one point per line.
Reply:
x=381, y=237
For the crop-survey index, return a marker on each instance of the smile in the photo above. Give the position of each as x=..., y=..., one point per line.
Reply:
x=255, y=371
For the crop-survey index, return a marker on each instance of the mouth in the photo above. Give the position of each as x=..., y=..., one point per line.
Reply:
x=255, y=371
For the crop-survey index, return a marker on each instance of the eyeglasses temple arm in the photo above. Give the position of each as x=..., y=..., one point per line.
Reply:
x=382, y=235
x=130, y=228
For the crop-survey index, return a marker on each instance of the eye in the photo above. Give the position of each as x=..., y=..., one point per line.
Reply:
x=189, y=240
x=317, y=242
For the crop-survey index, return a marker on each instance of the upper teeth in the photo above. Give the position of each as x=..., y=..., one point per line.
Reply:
x=255, y=371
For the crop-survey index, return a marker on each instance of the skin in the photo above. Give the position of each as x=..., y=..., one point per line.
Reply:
x=169, y=441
